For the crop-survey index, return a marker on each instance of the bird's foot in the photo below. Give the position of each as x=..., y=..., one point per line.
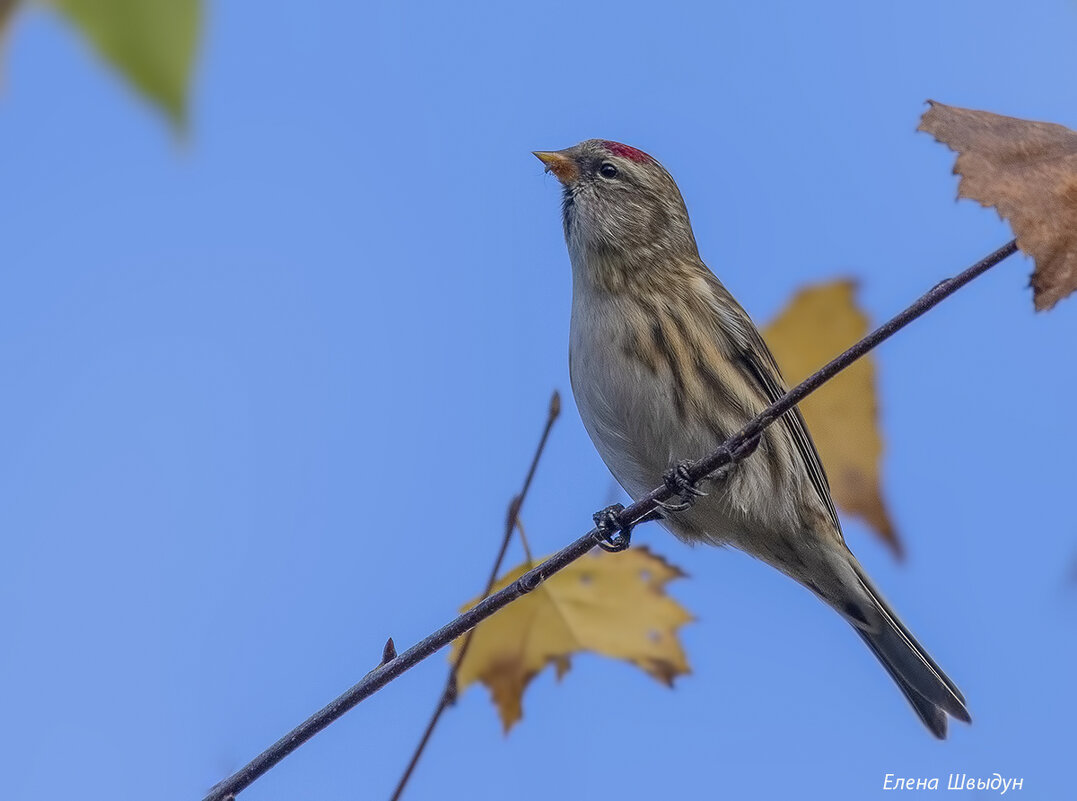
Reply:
x=610, y=536
x=679, y=481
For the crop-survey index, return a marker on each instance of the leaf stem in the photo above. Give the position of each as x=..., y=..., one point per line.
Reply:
x=528, y=556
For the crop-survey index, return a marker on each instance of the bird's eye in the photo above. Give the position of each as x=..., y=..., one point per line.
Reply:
x=607, y=170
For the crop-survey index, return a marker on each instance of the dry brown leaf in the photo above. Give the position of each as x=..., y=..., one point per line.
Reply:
x=609, y=604
x=842, y=415
x=1028, y=172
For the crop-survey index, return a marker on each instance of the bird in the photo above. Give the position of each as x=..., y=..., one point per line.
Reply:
x=665, y=365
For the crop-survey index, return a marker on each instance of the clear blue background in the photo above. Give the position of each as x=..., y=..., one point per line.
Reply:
x=266, y=394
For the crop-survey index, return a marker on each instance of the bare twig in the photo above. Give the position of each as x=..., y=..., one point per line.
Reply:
x=732, y=450
x=529, y=558
x=512, y=517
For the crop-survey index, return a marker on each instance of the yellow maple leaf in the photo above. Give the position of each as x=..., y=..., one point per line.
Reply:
x=819, y=323
x=609, y=604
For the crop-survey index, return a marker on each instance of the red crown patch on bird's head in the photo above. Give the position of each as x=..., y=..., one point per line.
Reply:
x=627, y=151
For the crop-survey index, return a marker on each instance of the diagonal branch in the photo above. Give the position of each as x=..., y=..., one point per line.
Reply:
x=732, y=450
x=448, y=695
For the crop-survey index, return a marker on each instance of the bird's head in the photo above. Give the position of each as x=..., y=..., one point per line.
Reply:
x=619, y=203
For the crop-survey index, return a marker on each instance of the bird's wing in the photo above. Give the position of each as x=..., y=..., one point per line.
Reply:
x=759, y=363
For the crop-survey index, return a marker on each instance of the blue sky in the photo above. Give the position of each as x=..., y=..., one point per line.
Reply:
x=268, y=390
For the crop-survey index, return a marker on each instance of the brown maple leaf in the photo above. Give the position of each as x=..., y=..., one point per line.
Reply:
x=1028, y=172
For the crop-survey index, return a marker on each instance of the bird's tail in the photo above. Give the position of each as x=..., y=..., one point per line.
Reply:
x=930, y=691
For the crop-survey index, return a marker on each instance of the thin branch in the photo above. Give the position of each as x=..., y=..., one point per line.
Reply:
x=732, y=450
x=528, y=557
x=512, y=518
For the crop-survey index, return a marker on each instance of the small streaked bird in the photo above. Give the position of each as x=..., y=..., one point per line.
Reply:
x=666, y=365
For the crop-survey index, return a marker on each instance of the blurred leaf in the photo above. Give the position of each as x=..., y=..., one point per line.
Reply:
x=610, y=604
x=842, y=415
x=6, y=9
x=151, y=42
x=1028, y=172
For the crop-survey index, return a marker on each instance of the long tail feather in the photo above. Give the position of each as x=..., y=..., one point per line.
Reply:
x=929, y=690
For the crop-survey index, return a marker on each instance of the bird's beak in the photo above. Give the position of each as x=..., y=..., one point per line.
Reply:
x=560, y=164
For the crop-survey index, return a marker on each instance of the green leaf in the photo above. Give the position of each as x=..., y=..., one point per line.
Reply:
x=151, y=42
